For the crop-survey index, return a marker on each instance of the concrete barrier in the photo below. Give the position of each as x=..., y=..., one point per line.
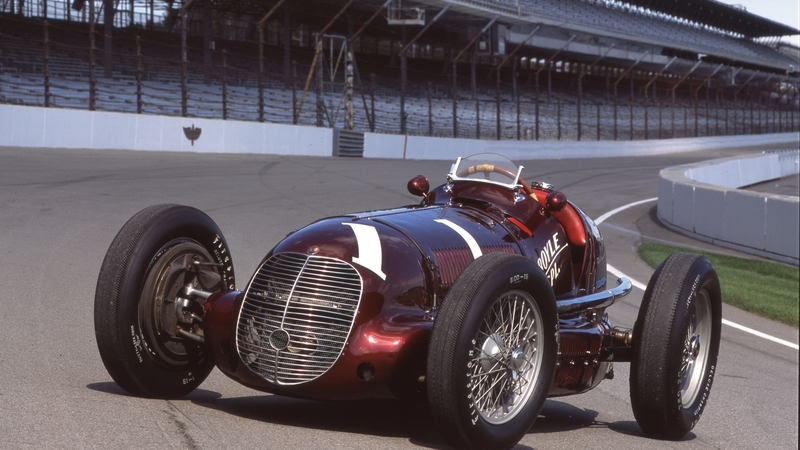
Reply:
x=25, y=126
x=702, y=200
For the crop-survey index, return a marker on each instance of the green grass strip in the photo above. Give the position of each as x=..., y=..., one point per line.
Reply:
x=768, y=289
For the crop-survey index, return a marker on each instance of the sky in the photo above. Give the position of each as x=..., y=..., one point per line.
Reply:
x=782, y=11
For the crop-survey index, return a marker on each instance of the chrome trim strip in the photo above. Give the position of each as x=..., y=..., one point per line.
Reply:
x=596, y=300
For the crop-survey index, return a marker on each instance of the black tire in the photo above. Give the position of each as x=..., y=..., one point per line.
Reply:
x=470, y=342
x=156, y=253
x=675, y=346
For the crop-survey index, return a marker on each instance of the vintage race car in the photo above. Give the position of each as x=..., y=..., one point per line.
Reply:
x=484, y=299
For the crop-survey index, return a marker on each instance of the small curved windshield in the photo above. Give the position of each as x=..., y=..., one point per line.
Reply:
x=488, y=167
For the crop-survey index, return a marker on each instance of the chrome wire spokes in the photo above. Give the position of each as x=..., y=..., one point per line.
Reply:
x=506, y=357
x=695, y=349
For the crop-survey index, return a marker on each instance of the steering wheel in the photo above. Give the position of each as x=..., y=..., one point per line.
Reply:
x=489, y=168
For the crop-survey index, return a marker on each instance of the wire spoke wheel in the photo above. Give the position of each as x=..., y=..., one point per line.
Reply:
x=492, y=353
x=506, y=357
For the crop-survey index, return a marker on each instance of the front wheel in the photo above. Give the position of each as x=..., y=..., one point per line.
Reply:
x=675, y=346
x=492, y=353
x=149, y=300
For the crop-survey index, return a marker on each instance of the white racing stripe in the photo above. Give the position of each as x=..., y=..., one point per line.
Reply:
x=639, y=285
x=471, y=242
x=370, y=253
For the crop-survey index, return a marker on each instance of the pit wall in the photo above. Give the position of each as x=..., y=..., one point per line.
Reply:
x=26, y=126
x=702, y=200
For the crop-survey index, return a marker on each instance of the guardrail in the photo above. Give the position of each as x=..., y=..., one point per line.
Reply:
x=702, y=200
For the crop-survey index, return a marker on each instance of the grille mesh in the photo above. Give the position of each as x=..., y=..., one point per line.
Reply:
x=313, y=299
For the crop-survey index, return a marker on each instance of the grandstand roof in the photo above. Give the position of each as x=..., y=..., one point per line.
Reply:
x=718, y=15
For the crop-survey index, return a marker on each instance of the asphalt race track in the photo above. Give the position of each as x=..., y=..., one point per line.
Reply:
x=60, y=209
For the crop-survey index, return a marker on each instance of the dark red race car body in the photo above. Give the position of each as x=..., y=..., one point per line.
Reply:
x=429, y=245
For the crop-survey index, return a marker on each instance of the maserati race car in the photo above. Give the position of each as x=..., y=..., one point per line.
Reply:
x=484, y=299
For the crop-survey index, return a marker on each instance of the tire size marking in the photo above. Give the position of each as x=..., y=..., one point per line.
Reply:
x=137, y=344
x=518, y=278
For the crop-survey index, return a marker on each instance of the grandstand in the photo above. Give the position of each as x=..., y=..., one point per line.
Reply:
x=488, y=69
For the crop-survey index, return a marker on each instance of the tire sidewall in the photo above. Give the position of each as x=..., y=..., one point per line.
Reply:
x=517, y=274
x=700, y=277
x=658, y=345
x=145, y=373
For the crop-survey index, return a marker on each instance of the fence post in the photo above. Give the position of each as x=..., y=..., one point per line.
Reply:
x=46, y=65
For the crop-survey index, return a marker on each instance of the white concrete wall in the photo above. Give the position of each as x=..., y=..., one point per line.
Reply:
x=420, y=147
x=24, y=126
x=702, y=200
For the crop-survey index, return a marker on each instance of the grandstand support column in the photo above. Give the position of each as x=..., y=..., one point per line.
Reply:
x=578, y=105
x=513, y=75
x=516, y=96
x=260, y=28
x=404, y=64
x=208, y=42
x=646, y=86
x=631, y=107
x=455, y=61
x=672, y=92
x=403, y=82
x=455, y=101
x=260, y=72
x=46, y=66
x=696, y=101
x=108, y=32
x=224, y=84
x=139, y=107
x=582, y=73
x=184, y=61
x=294, y=92
x=536, y=134
x=92, y=78
x=349, y=113
x=289, y=68
x=430, y=109
x=320, y=105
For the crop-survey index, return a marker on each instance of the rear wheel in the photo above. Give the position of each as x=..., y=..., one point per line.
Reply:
x=492, y=353
x=148, y=311
x=676, y=343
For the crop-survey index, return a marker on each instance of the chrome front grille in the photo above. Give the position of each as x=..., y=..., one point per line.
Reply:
x=296, y=316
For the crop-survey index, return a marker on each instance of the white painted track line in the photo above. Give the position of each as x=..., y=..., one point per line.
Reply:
x=616, y=272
